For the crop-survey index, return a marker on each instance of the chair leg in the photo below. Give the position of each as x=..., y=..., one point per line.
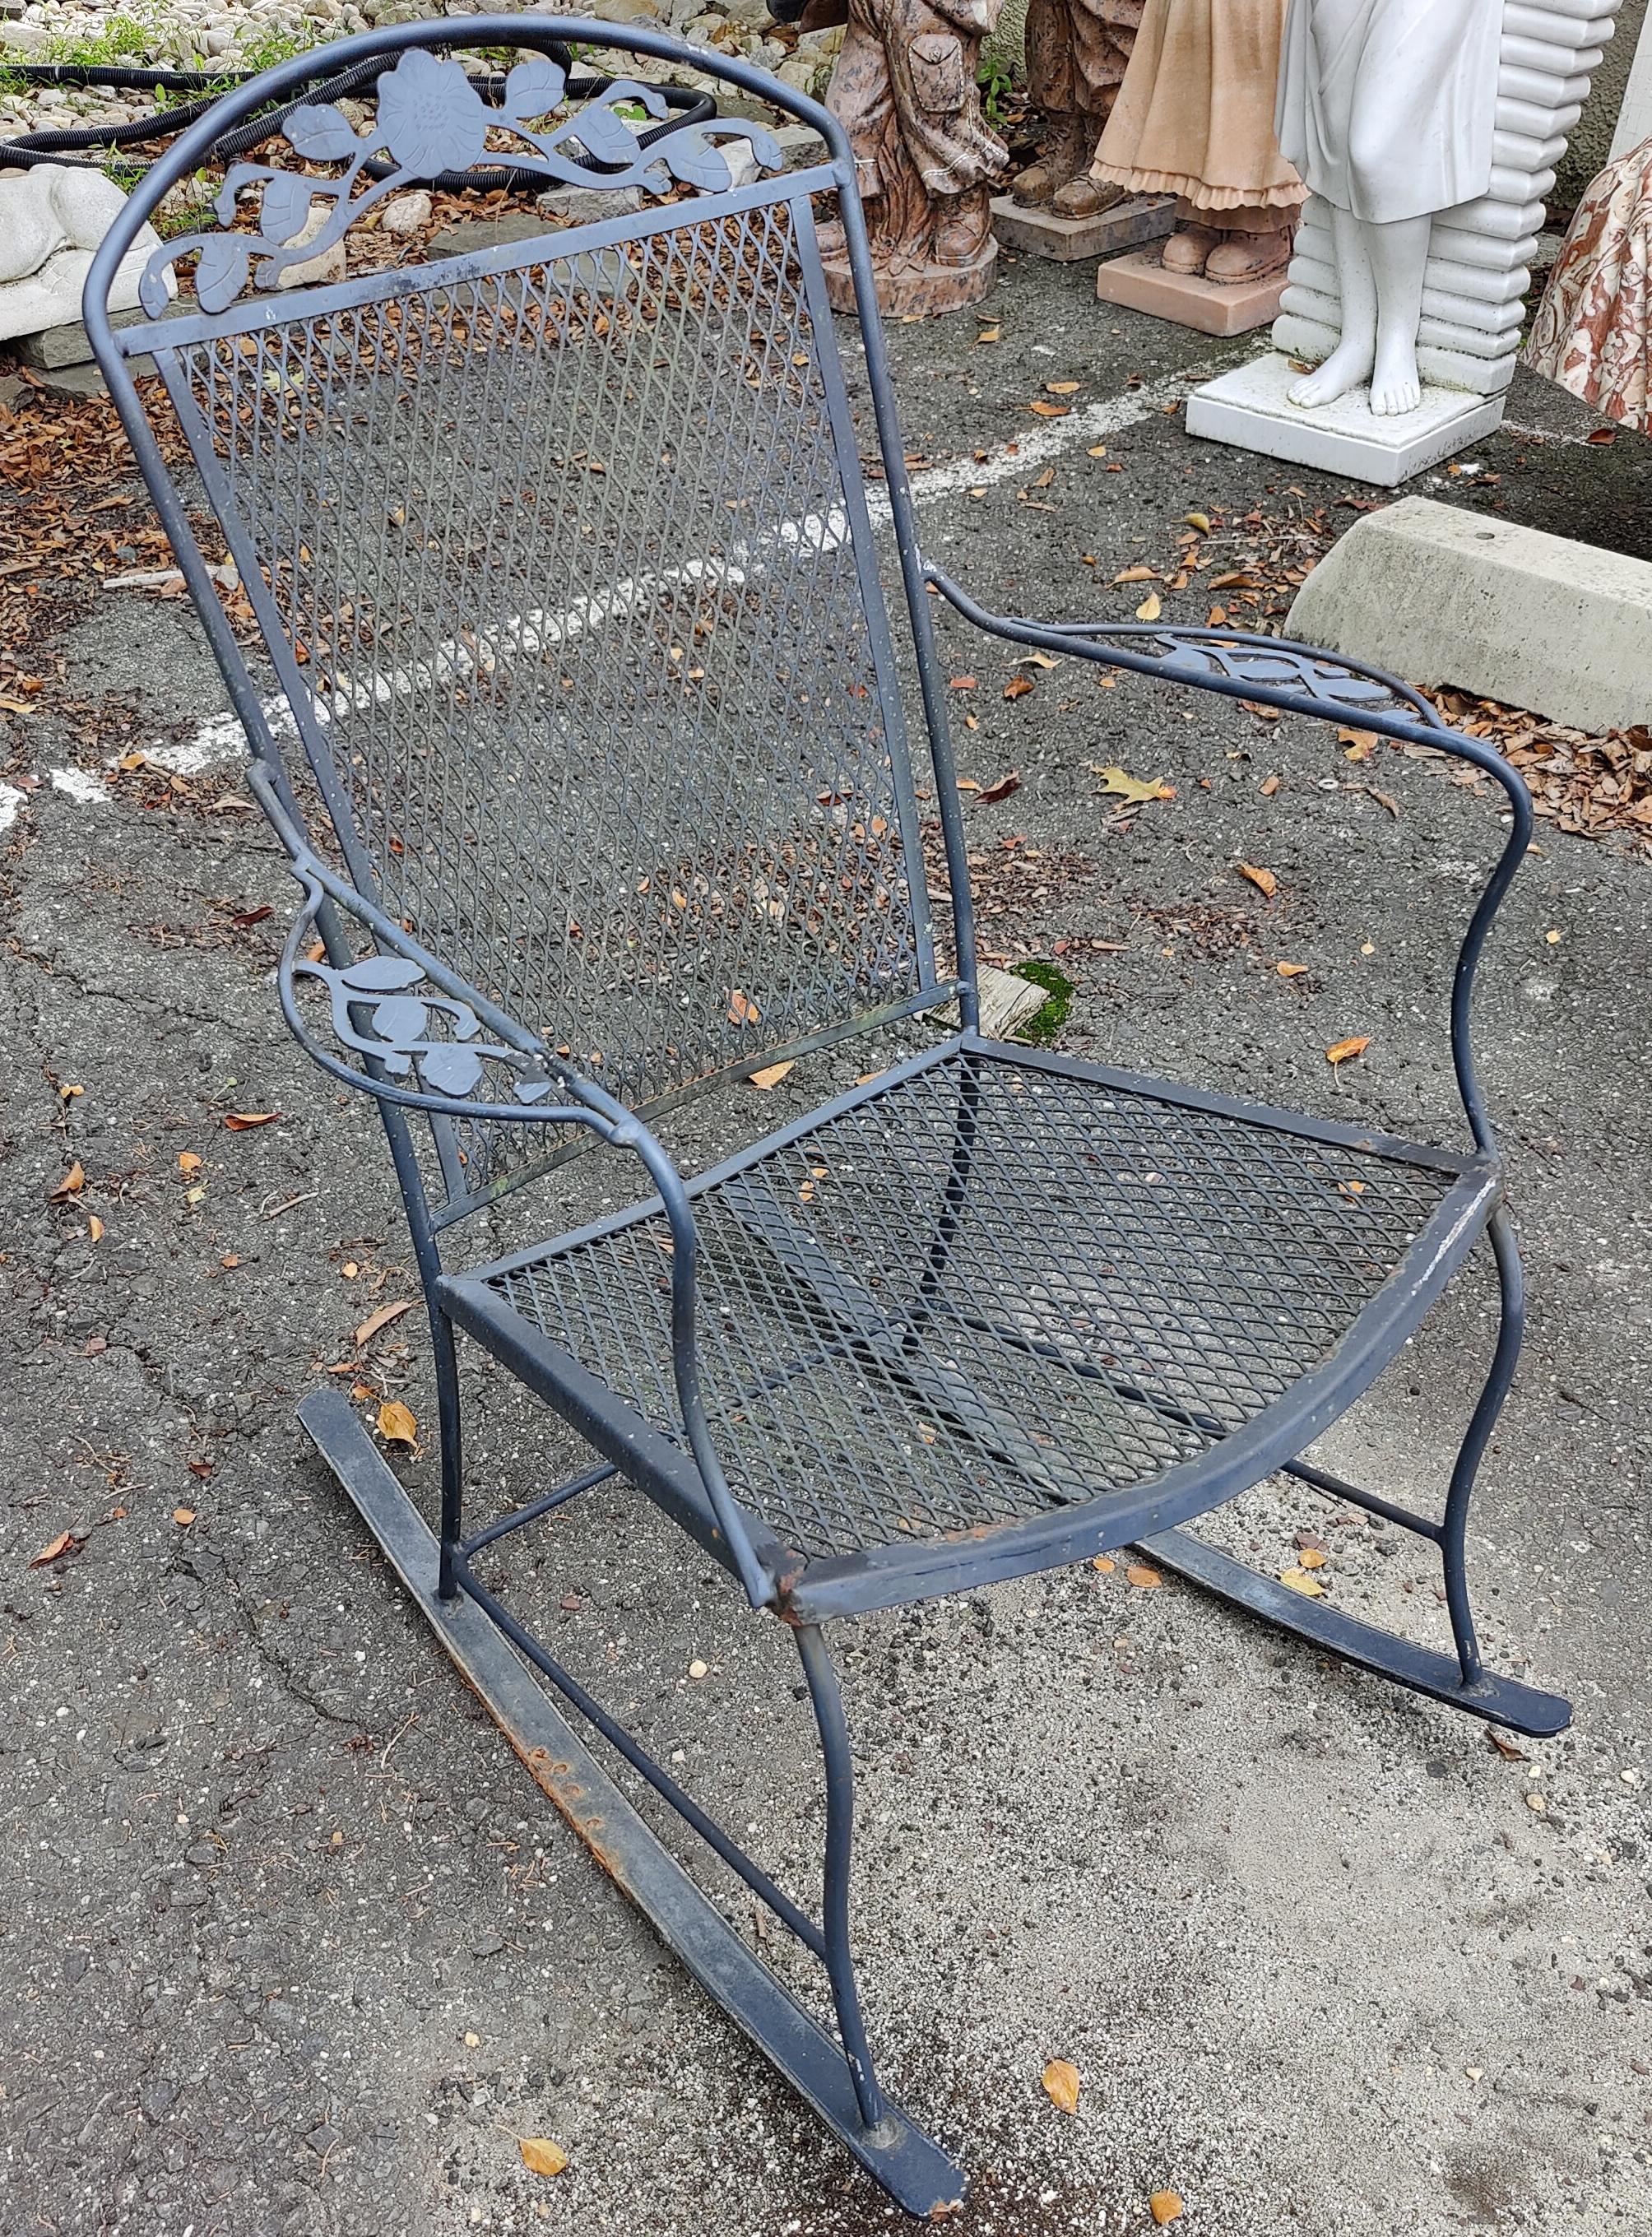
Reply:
x=447, y=1365
x=1511, y=1284
x=495, y=1655
x=1459, y=1679
x=828, y=1699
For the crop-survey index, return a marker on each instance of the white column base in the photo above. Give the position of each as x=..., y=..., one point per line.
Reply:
x=1249, y=407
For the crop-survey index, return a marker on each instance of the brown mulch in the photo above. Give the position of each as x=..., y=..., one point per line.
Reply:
x=1594, y=787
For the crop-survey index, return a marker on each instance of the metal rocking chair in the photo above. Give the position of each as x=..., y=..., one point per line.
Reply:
x=562, y=555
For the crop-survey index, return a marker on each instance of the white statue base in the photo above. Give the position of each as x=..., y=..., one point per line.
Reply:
x=51, y=219
x=1251, y=407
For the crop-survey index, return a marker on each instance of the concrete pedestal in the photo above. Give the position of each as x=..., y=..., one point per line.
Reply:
x=1068, y=239
x=1141, y=283
x=1251, y=407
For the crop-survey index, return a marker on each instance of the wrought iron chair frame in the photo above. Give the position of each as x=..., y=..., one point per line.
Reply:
x=525, y=1084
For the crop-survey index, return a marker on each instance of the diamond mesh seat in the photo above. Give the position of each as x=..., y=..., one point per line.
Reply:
x=994, y=1289
x=562, y=551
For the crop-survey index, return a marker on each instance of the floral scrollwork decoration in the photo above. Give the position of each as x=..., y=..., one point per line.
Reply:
x=374, y=1013
x=432, y=120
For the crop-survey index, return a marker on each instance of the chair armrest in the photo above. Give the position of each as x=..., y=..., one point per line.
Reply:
x=386, y=1008
x=1298, y=679
x=1301, y=679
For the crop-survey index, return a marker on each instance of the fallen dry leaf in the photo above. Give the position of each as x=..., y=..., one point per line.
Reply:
x=1360, y=744
x=1311, y=1557
x=189, y=1162
x=185, y=1515
x=1004, y=788
x=1018, y=687
x=1166, y=2207
x=71, y=1184
x=771, y=1075
x=1299, y=1581
x=1104, y=1562
x=396, y=1423
x=1504, y=1745
x=541, y=2155
x=1062, y=2085
x=1150, y=607
x=1136, y=575
x=1048, y=410
x=1289, y=970
x=743, y=1011
x=376, y=1322
x=1344, y=1051
x=1199, y=520
x=239, y=1122
x=1264, y=882
x=1144, y=1579
x=1269, y=785
x=65, y=1542
x=94, y=1227
x=1063, y=387
x=1038, y=660
x=1135, y=788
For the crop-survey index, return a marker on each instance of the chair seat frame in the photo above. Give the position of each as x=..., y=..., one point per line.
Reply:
x=520, y=1081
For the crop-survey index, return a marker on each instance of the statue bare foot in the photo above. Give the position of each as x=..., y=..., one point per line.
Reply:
x=1396, y=385
x=1347, y=366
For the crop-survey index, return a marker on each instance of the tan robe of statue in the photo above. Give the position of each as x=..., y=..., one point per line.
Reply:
x=1194, y=116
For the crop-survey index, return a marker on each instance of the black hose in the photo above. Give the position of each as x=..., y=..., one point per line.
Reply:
x=59, y=147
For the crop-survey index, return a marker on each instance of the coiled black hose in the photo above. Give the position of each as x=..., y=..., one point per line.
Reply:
x=62, y=146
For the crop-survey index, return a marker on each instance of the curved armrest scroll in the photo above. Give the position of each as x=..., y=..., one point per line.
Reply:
x=400, y=1033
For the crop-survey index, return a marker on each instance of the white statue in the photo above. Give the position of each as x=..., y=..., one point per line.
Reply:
x=52, y=221
x=1387, y=107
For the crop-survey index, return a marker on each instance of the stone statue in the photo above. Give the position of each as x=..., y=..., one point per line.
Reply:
x=1430, y=130
x=1194, y=117
x=904, y=90
x=52, y=218
x=1387, y=107
x=1077, y=54
x=1593, y=331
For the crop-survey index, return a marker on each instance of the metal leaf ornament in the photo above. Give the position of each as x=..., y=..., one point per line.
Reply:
x=399, y=1025
x=431, y=119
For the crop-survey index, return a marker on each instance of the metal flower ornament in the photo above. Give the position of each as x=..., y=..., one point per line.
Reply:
x=432, y=120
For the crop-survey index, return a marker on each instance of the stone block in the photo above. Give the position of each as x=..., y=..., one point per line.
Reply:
x=1440, y=595
x=1069, y=239
x=65, y=345
x=1141, y=283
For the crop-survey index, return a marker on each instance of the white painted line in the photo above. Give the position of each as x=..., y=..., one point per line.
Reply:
x=81, y=785
x=12, y=803
x=222, y=739
x=1046, y=440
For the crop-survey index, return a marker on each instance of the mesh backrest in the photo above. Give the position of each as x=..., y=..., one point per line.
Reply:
x=589, y=657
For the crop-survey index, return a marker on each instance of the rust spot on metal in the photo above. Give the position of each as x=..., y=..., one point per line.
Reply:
x=554, y=1775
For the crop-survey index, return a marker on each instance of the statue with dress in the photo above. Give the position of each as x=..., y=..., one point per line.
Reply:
x=1194, y=118
x=1388, y=110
